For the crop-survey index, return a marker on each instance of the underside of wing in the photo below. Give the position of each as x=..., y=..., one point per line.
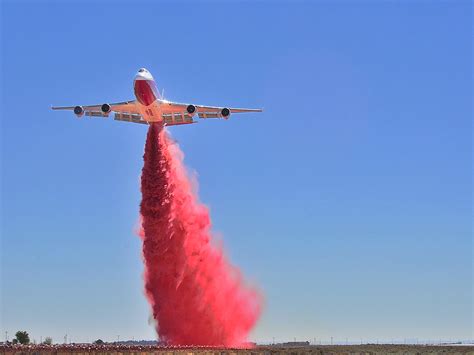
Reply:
x=177, y=118
x=123, y=111
x=172, y=113
x=203, y=111
x=102, y=110
x=129, y=117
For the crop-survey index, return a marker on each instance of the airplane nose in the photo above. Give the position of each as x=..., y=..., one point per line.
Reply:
x=141, y=74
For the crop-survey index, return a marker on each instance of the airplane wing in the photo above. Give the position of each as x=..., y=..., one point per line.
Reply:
x=173, y=113
x=124, y=111
x=124, y=106
x=203, y=111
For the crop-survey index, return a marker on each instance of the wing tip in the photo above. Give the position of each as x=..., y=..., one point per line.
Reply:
x=58, y=107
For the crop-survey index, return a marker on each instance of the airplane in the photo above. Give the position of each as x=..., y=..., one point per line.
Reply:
x=150, y=106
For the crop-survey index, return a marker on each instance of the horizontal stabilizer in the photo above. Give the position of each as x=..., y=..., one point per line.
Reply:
x=129, y=117
x=209, y=115
x=95, y=114
x=177, y=118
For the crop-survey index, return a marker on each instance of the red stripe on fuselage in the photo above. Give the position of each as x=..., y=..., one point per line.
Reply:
x=146, y=91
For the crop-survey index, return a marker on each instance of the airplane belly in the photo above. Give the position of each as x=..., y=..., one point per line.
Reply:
x=151, y=113
x=145, y=92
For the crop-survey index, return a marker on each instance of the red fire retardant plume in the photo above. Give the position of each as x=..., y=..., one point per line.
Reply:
x=196, y=296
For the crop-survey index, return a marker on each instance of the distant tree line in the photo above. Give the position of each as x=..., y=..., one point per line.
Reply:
x=22, y=337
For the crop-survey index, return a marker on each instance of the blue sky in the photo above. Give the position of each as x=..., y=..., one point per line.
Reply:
x=348, y=201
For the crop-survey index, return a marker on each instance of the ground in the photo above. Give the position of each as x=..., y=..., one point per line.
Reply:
x=259, y=350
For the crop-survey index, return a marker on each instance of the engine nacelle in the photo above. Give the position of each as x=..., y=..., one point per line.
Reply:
x=105, y=108
x=191, y=109
x=225, y=113
x=79, y=111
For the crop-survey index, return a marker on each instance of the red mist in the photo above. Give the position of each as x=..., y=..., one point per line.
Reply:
x=196, y=295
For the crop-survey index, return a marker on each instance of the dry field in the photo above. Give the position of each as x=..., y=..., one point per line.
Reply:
x=371, y=350
x=260, y=350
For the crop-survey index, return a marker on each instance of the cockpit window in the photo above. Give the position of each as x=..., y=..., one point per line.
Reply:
x=142, y=70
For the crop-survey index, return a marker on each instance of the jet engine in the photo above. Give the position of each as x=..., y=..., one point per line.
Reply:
x=225, y=113
x=191, y=109
x=79, y=111
x=105, y=108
